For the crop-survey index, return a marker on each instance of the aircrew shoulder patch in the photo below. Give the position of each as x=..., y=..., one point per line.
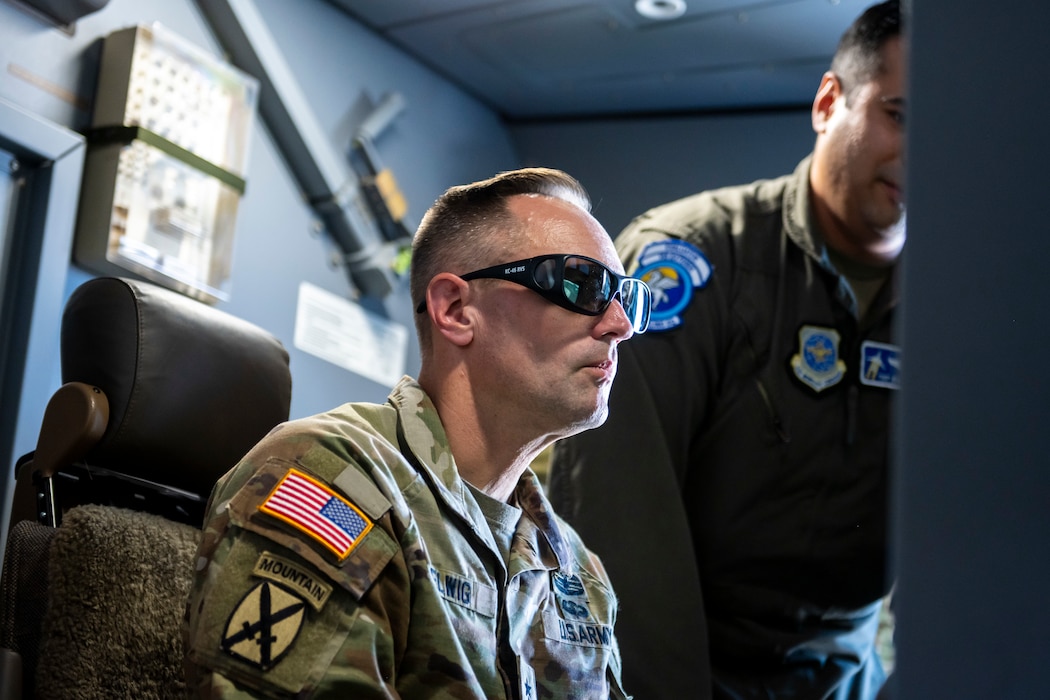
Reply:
x=673, y=269
x=317, y=511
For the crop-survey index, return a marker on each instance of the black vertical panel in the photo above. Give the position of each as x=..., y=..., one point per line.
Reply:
x=973, y=474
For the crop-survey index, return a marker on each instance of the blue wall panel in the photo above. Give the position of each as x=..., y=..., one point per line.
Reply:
x=443, y=137
x=629, y=165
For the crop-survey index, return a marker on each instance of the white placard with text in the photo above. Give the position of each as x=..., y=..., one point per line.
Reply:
x=345, y=334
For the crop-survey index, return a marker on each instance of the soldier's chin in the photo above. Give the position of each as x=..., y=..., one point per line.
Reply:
x=595, y=420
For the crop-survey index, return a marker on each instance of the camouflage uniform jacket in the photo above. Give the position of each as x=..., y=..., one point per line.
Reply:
x=345, y=557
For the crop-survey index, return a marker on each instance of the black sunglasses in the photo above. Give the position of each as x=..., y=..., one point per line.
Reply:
x=574, y=282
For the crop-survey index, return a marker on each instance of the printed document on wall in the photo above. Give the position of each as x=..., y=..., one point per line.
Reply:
x=345, y=334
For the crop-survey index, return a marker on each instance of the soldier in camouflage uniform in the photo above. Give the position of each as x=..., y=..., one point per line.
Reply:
x=406, y=549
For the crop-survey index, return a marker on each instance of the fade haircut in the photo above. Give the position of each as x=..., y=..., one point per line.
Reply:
x=470, y=227
x=858, y=58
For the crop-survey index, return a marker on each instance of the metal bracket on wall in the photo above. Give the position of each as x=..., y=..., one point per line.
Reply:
x=328, y=182
x=378, y=182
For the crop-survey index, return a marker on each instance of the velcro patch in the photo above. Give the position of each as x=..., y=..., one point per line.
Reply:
x=817, y=362
x=527, y=676
x=264, y=625
x=584, y=634
x=299, y=578
x=318, y=511
x=467, y=592
x=356, y=572
x=880, y=365
x=672, y=269
x=571, y=596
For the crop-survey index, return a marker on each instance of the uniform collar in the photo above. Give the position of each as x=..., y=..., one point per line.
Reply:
x=803, y=230
x=424, y=438
x=799, y=222
x=539, y=512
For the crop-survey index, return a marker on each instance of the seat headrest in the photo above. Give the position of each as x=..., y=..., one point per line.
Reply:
x=191, y=389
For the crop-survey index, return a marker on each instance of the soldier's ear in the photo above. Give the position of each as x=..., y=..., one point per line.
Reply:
x=448, y=305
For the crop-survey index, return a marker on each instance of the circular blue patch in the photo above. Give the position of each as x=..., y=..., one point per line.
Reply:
x=670, y=285
x=820, y=352
x=672, y=269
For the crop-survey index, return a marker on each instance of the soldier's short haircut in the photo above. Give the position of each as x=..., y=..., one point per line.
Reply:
x=470, y=227
x=858, y=58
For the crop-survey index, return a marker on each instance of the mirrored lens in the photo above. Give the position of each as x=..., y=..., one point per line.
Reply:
x=587, y=284
x=636, y=299
x=546, y=274
x=589, y=287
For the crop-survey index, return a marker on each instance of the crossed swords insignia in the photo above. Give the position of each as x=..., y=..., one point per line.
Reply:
x=263, y=626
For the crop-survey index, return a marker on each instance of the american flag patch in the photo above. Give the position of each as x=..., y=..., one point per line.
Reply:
x=315, y=509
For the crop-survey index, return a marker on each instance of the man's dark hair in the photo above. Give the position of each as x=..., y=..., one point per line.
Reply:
x=858, y=59
x=470, y=227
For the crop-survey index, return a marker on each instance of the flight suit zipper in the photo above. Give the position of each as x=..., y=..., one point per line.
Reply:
x=771, y=411
x=851, y=414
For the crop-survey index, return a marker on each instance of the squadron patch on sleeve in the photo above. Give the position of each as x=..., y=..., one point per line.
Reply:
x=318, y=511
x=264, y=625
x=880, y=364
x=672, y=269
x=817, y=363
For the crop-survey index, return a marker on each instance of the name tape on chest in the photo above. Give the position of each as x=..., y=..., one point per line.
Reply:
x=584, y=634
x=465, y=592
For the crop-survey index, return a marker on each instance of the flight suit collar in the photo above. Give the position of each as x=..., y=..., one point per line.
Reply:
x=802, y=229
x=799, y=222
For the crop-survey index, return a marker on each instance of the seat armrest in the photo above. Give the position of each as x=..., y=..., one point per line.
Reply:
x=10, y=675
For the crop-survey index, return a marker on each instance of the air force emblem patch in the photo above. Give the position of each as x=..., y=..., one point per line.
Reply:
x=672, y=269
x=817, y=363
x=880, y=365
